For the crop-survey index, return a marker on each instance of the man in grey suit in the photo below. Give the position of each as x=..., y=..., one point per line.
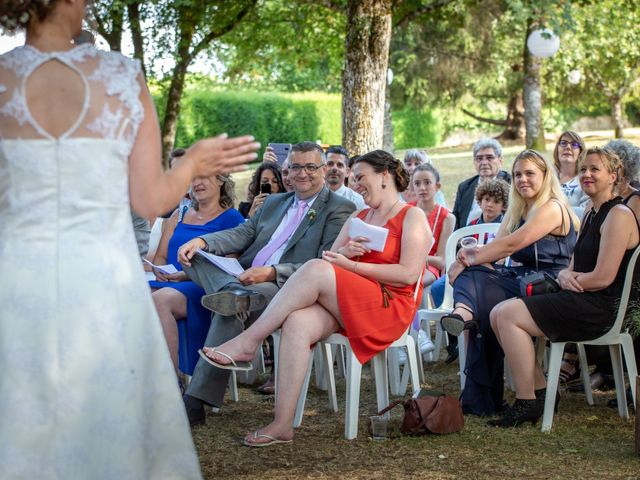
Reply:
x=288, y=230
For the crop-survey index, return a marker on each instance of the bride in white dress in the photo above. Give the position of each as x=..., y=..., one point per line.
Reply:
x=87, y=388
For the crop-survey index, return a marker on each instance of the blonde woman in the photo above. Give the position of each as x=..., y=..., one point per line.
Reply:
x=585, y=308
x=538, y=232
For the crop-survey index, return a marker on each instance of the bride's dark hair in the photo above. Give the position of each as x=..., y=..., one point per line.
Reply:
x=16, y=14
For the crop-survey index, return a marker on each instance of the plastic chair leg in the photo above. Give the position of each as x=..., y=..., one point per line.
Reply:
x=380, y=373
x=330, y=380
x=302, y=398
x=462, y=357
x=233, y=386
x=555, y=358
x=630, y=360
x=413, y=360
x=393, y=358
x=618, y=376
x=354, y=373
x=584, y=372
x=340, y=361
x=319, y=368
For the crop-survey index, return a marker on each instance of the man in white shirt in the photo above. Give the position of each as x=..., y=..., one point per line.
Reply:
x=337, y=172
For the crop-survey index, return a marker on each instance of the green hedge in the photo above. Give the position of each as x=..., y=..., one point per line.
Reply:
x=416, y=128
x=207, y=110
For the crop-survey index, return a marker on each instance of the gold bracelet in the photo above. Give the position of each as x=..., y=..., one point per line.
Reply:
x=355, y=269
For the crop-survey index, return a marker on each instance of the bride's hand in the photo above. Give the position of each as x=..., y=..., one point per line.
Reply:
x=355, y=247
x=338, y=259
x=221, y=155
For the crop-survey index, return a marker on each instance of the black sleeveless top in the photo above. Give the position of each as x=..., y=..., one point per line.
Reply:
x=585, y=255
x=554, y=251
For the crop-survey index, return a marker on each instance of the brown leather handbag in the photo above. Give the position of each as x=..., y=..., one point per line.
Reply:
x=429, y=415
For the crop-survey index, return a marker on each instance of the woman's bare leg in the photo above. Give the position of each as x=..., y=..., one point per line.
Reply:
x=516, y=327
x=300, y=330
x=314, y=282
x=171, y=306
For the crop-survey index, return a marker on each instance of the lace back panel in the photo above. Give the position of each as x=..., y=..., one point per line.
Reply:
x=111, y=107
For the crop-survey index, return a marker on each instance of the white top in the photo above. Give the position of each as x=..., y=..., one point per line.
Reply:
x=351, y=195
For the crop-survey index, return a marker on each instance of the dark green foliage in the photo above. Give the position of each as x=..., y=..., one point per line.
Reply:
x=269, y=117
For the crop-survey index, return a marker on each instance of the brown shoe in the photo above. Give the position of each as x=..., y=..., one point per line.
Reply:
x=268, y=387
x=234, y=302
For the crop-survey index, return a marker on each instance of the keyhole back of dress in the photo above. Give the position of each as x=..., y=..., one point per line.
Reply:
x=56, y=96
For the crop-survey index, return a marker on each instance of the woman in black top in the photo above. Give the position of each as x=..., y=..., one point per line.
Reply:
x=586, y=307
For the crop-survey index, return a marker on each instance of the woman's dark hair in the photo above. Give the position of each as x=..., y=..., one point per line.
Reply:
x=17, y=14
x=427, y=167
x=381, y=162
x=254, y=186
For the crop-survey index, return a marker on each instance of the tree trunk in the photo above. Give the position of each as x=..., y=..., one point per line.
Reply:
x=387, y=133
x=515, y=125
x=532, y=93
x=616, y=116
x=365, y=74
x=183, y=59
x=133, y=12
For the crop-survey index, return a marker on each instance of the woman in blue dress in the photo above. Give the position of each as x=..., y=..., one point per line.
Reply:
x=539, y=233
x=174, y=295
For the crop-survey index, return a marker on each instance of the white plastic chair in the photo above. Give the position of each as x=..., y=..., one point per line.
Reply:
x=615, y=338
x=435, y=314
x=353, y=376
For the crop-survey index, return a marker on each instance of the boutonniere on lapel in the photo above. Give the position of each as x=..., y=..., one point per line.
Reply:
x=311, y=215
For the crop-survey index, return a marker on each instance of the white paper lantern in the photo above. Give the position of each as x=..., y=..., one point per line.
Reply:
x=574, y=77
x=543, y=43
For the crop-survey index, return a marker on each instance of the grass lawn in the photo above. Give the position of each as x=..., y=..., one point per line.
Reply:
x=586, y=442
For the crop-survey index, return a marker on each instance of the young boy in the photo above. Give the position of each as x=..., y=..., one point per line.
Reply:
x=492, y=196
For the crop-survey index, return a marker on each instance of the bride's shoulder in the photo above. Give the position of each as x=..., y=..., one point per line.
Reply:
x=114, y=61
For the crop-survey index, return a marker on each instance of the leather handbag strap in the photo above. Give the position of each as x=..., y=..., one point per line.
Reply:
x=390, y=406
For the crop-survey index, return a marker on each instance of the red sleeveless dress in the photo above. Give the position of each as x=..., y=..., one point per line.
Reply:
x=374, y=315
x=436, y=220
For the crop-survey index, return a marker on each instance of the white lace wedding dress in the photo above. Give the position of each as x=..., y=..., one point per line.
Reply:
x=87, y=388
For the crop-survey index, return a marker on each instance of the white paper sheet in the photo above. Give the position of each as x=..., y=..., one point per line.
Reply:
x=166, y=269
x=377, y=235
x=229, y=265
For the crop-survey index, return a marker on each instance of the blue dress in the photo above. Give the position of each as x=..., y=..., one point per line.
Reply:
x=193, y=330
x=482, y=288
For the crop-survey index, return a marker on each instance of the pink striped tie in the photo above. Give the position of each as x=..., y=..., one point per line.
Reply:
x=265, y=253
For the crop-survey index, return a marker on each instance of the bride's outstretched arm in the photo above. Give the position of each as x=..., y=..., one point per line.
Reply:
x=154, y=191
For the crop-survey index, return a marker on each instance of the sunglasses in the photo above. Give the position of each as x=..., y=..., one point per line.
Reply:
x=566, y=143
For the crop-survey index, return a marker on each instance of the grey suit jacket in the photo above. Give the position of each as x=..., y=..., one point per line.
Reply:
x=308, y=241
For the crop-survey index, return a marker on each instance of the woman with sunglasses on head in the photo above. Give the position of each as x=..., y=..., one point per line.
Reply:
x=539, y=232
x=585, y=308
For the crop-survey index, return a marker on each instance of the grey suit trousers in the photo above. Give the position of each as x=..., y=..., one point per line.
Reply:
x=208, y=382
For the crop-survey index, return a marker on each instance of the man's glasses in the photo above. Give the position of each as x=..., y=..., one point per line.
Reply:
x=310, y=168
x=566, y=143
x=489, y=158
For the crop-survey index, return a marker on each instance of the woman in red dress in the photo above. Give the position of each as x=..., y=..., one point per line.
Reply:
x=363, y=294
